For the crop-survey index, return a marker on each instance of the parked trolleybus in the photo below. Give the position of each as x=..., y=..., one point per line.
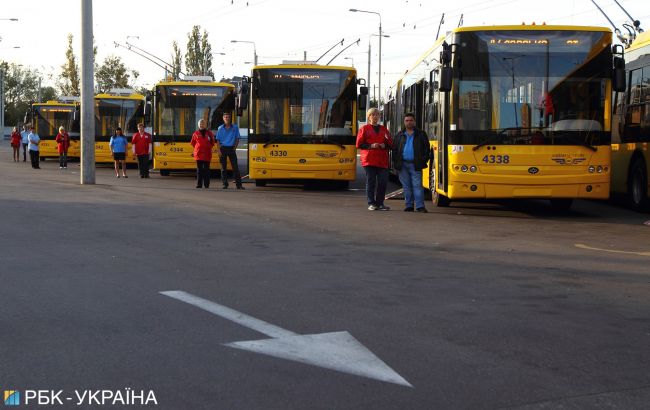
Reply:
x=631, y=131
x=178, y=106
x=118, y=107
x=47, y=117
x=514, y=112
x=303, y=123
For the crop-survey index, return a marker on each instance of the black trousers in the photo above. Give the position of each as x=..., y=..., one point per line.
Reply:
x=33, y=156
x=25, y=152
x=376, y=182
x=143, y=165
x=229, y=153
x=202, y=174
x=63, y=160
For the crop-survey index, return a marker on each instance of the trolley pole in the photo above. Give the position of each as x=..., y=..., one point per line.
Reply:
x=87, y=89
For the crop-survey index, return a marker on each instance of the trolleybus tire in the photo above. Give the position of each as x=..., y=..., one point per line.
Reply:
x=437, y=199
x=164, y=172
x=260, y=182
x=637, y=186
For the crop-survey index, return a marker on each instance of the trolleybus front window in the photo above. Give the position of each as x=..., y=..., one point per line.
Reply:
x=117, y=112
x=180, y=108
x=305, y=106
x=531, y=88
x=49, y=119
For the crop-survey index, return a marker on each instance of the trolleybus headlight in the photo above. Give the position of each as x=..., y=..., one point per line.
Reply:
x=599, y=169
x=592, y=169
x=463, y=168
x=472, y=168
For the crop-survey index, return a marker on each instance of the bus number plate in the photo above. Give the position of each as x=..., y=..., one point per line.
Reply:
x=496, y=159
x=278, y=153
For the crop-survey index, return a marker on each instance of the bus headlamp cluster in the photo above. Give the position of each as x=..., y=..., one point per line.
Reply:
x=598, y=169
x=465, y=168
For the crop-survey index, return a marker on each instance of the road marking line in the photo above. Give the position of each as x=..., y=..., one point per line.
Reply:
x=230, y=314
x=581, y=246
x=338, y=351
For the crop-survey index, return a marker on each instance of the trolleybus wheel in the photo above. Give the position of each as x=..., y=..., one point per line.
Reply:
x=561, y=204
x=260, y=182
x=637, y=186
x=164, y=172
x=437, y=199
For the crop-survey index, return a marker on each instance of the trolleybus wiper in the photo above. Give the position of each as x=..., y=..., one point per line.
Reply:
x=494, y=136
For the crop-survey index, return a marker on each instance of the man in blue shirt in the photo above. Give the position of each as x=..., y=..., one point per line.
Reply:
x=33, y=140
x=411, y=153
x=228, y=138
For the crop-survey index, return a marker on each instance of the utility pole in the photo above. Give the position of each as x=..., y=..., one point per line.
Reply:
x=87, y=91
x=2, y=103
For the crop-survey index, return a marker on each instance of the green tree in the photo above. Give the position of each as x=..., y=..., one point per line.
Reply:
x=177, y=61
x=69, y=80
x=198, y=58
x=21, y=90
x=114, y=74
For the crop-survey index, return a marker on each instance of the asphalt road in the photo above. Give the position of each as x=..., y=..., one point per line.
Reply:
x=477, y=306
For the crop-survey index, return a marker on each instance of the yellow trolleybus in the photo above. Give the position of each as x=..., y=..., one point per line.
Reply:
x=631, y=131
x=514, y=112
x=303, y=123
x=178, y=106
x=118, y=107
x=48, y=116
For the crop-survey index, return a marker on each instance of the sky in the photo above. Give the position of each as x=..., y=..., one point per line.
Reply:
x=280, y=29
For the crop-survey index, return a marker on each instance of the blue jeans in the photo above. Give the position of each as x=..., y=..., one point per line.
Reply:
x=411, y=180
x=376, y=182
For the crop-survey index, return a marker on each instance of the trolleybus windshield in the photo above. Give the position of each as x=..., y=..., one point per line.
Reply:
x=48, y=119
x=111, y=113
x=304, y=106
x=531, y=87
x=179, y=108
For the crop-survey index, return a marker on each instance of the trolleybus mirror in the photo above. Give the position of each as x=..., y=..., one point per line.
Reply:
x=618, y=75
x=362, y=101
x=363, y=90
x=445, y=79
x=242, y=96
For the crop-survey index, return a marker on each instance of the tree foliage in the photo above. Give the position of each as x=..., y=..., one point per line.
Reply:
x=198, y=58
x=112, y=73
x=21, y=90
x=177, y=61
x=69, y=81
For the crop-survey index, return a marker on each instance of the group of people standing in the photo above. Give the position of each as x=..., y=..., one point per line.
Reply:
x=30, y=141
x=227, y=138
x=410, y=155
x=141, y=143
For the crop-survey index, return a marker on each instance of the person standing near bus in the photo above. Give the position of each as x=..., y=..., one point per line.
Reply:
x=374, y=141
x=15, y=144
x=118, y=145
x=228, y=138
x=411, y=155
x=33, y=141
x=141, y=141
x=24, y=134
x=202, y=141
x=62, y=145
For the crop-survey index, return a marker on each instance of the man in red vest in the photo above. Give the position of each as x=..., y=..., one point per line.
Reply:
x=141, y=142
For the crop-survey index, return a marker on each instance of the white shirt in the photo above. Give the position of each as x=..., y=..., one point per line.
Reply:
x=33, y=139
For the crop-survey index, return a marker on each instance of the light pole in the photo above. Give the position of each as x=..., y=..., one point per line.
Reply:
x=380, y=36
x=351, y=60
x=254, y=48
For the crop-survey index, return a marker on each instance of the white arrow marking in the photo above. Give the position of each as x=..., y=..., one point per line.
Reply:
x=338, y=351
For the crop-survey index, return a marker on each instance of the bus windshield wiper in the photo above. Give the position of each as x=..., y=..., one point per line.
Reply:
x=494, y=136
x=566, y=134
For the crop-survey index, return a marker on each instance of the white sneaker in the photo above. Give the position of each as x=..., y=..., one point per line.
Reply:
x=372, y=207
x=60, y=167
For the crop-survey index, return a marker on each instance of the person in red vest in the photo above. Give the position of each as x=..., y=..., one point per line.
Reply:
x=15, y=144
x=141, y=142
x=202, y=141
x=374, y=141
x=62, y=145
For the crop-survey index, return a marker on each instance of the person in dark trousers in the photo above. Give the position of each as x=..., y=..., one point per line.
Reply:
x=202, y=141
x=62, y=145
x=228, y=138
x=141, y=141
x=375, y=141
x=34, y=141
x=411, y=154
x=15, y=144
x=24, y=134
